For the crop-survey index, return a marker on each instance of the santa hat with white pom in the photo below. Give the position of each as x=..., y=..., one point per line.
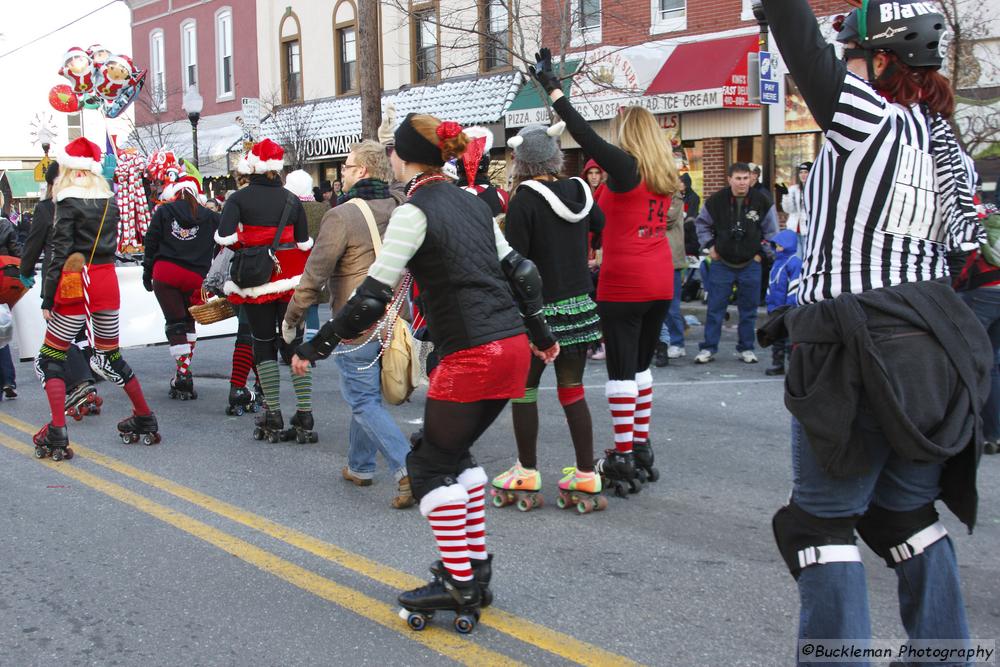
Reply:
x=83, y=154
x=263, y=157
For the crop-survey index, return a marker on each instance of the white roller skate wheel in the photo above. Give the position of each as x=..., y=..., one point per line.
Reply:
x=404, y=614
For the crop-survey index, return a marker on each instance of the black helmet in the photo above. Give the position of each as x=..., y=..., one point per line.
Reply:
x=911, y=30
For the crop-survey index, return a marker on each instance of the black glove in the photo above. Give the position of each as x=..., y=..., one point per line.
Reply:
x=542, y=71
x=147, y=282
x=319, y=346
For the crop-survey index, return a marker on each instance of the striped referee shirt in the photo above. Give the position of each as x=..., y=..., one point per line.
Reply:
x=879, y=199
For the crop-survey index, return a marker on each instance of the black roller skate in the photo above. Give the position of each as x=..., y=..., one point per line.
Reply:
x=182, y=387
x=269, y=426
x=52, y=441
x=301, y=430
x=442, y=594
x=242, y=400
x=139, y=427
x=83, y=400
x=617, y=471
x=482, y=572
x=644, y=458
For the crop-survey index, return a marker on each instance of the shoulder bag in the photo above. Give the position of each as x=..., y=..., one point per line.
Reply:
x=253, y=266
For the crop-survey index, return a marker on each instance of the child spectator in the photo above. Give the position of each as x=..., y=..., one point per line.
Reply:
x=781, y=287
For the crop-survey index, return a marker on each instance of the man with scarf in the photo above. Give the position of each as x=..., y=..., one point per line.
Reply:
x=343, y=252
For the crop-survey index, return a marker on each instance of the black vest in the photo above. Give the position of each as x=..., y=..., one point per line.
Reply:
x=464, y=294
x=737, y=224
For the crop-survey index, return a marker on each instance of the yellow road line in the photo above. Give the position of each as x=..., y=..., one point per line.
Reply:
x=553, y=641
x=445, y=642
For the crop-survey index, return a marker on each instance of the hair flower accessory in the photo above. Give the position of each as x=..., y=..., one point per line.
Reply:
x=448, y=130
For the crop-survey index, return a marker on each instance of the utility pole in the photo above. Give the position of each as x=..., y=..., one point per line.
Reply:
x=369, y=68
x=765, y=109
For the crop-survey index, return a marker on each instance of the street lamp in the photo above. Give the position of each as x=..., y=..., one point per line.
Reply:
x=192, y=104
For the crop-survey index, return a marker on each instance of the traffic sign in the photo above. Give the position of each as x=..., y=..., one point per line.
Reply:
x=768, y=92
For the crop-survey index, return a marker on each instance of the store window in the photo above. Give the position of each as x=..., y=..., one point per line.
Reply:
x=345, y=28
x=291, y=59
x=424, y=51
x=496, y=35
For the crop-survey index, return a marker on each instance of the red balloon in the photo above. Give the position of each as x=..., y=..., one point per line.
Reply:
x=62, y=98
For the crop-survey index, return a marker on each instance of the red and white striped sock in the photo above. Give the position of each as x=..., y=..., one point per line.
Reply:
x=621, y=396
x=474, y=480
x=445, y=509
x=183, y=364
x=643, y=405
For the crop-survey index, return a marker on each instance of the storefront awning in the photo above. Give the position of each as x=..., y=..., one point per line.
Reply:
x=528, y=106
x=715, y=69
x=22, y=183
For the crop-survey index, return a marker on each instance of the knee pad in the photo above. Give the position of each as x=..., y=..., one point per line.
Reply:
x=570, y=395
x=470, y=478
x=50, y=364
x=805, y=540
x=899, y=536
x=264, y=349
x=431, y=468
x=112, y=367
x=530, y=396
x=177, y=338
x=287, y=350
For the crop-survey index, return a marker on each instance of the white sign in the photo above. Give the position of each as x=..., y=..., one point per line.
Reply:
x=250, y=115
x=325, y=147
x=695, y=100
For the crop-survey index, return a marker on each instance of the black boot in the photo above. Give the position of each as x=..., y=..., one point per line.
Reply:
x=269, y=426
x=777, y=358
x=131, y=429
x=643, y=454
x=617, y=470
x=482, y=573
x=52, y=441
x=660, y=357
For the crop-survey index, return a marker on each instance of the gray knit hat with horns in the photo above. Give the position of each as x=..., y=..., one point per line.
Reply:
x=536, y=150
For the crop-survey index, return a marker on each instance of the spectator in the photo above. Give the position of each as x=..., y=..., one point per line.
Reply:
x=794, y=204
x=733, y=225
x=671, y=345
x=781, y=287
x=692, y=202
x=8, y=235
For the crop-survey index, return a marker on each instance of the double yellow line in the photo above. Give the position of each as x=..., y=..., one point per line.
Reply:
x=442, y=640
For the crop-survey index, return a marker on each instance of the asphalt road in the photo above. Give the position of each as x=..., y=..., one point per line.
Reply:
x=214, y=549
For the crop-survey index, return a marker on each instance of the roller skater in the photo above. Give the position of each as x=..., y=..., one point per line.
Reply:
x=83, y=400
x=643, y=451
x=581, y=490
x=242, y=400
x=139, y=427
x=617, y=471
x=443, y=593
x=52, y=441
x=301, y=430
x=269, y=426
x=182, y=387
x=518, y=485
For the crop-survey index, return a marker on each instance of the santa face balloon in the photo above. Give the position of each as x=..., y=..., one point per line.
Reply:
x=77, y=68
x=98, y=54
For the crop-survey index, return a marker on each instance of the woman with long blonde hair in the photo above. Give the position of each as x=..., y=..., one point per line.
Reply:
x=637, y=274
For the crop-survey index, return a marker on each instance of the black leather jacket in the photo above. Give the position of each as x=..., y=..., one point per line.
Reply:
x=8, y=238
x=75, y=230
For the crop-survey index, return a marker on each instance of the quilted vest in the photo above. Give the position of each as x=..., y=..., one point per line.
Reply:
x=464, y=294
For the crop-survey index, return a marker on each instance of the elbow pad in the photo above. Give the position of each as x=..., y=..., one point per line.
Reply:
x=363, y=309
x=527, y=286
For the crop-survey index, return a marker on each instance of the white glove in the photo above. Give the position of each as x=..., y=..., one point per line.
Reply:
x=288, y=332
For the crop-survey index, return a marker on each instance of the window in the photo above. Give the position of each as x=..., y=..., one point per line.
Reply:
x=158, y=81
x=74, y=128
x=224, y=53
x=590, y=14
x=425, y=45
x=585, y=22
x=189, y=54
x=291, y=59
x=668, y=16
x=496, y=40
x=345, y=31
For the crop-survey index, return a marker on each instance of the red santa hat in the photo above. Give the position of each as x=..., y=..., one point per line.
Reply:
x=122, y=60
x=74, y=51
x=81, y=153
x=185, y=182
x=264, y=156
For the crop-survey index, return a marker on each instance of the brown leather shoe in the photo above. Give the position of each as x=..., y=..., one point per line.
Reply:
x=404, y=495
x=354, y=479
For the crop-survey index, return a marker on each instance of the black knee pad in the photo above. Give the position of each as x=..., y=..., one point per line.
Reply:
x=430, y=467
x=50, y=364
x=176, y=333
x=287, y=350
x=801, y=537
x=264, y=350
x=112, y=367
x=899, y=536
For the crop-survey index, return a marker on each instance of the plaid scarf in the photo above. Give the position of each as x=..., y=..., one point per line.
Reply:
x=366, y=188
x=964, y=228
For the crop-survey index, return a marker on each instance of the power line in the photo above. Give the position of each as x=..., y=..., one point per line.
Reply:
x=52, y=32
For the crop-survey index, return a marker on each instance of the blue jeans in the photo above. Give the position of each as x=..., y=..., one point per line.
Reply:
x=672, y=331
x=8, y=378
x=721, y=279
x=834, y=597
x=985, y=303
x=372, y=428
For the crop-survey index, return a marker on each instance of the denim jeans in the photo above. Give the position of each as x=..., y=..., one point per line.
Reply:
x=985, y=303
x=672, y=332
x=372, y=428
x=834, y=597
x=8, y=377
x=721, y=279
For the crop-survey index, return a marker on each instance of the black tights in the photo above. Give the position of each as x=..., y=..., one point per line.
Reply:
x=265, y=323
x=631, y=331
x=174, y=303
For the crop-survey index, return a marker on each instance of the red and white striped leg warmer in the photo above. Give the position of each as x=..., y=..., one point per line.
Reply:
x=643, y=405
x=621, y=396
x=474, y=480
x=445, y=508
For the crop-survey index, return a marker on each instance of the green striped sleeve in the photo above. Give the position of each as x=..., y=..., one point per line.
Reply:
x=403, y=237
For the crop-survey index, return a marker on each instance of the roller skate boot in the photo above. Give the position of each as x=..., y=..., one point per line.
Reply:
x=643, y=451
x=52, y=441
x=269, y=426
x=139, y=427
x=617, y=471
x=518, y=485
x=443, y=593
x=301, y=430
x=182, y=387
x=241, y=400
x=83, y=400
x=482, y=573
x=581, y=490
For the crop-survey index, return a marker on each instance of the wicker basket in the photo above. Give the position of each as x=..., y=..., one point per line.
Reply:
x=214, y=309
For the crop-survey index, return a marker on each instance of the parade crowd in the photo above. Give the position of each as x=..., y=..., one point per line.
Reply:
x=555, y=270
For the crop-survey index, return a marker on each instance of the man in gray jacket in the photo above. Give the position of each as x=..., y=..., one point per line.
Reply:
x=340, y=258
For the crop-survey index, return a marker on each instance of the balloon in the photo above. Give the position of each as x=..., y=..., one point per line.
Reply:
x=125, y=96
x=78, y=70
x=113, y=75
x=61, y=98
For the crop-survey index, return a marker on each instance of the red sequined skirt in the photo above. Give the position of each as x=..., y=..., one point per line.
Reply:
x=492, y=370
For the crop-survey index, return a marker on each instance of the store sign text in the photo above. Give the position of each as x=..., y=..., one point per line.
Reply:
x=329, y=146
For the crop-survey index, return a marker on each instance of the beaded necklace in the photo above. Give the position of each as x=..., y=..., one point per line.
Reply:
x=420, y=180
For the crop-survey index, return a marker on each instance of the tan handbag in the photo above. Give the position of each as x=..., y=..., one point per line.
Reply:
x=400, y=361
